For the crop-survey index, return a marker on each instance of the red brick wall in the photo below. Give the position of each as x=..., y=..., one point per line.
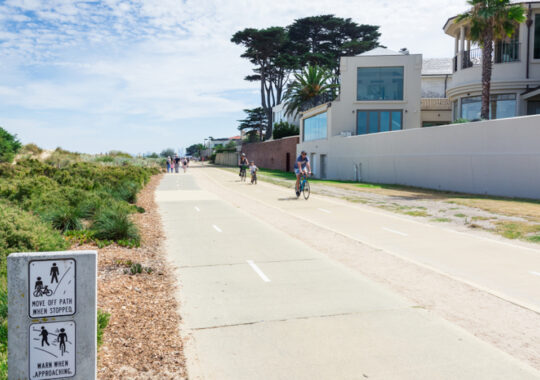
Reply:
x=272, y=154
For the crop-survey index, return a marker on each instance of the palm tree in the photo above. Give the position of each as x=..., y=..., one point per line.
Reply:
x=490, y=20
x=311, y=85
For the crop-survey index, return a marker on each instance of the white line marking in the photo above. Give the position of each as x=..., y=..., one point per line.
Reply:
x=197, y=209
x=324, y=210
x=535, y=273
x=258, y=270
x=216, y=228
x=395, y=232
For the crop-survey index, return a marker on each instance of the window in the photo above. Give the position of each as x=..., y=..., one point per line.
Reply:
x=455, y=110
x=537, y=36
x=471, y=107
x=500, y=106
x=379, y=83
x=378, y=121
x=533, y=107
x=315, y=127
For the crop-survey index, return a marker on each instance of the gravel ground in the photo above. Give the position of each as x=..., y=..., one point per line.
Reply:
x=142, y=340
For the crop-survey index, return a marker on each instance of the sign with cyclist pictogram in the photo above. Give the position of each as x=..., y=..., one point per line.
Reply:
x=51, y=288
x=52, y=350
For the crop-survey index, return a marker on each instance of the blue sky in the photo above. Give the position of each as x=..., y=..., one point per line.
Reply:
x=144, y=75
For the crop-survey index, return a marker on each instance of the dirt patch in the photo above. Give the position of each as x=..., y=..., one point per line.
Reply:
x=142, y=340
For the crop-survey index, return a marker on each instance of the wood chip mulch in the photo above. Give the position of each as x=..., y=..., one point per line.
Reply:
x=142, y=340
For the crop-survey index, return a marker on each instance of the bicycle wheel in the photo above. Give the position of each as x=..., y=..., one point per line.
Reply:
x=306, y=191
x=243, y=175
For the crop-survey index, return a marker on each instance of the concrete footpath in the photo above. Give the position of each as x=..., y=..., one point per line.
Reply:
x=257, y=303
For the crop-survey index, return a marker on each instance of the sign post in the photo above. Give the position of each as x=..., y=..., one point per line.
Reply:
x=52, y=315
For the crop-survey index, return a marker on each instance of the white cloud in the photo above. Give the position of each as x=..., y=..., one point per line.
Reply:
x=170, y=59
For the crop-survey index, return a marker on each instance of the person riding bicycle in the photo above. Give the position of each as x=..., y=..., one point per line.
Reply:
x=243, y=163
x=301, y=166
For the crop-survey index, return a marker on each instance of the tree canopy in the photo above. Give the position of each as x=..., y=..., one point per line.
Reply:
x=311, y=86
x=254, y=124
x=167, y=152
x=276, y=52
x=322, y=40
x=9, y=146
x=194, y=150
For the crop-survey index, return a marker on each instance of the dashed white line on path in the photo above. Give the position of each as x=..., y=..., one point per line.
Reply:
x=324, y=210
x=535, y=273
x=197, y=209
x=258, y=270
x=395, y=232
x=216, y=228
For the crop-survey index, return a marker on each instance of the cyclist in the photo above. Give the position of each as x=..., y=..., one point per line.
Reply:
x=301, y=166
x=243, y=163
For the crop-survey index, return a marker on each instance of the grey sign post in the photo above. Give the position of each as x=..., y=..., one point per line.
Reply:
x=52, y=315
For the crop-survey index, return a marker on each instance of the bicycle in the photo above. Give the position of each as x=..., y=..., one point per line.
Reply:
x=304, y=187
x=243, y=173
x=43, y=291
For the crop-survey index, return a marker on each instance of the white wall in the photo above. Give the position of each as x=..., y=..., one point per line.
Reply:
x=344, y=110
x=497, y=157
x=434, y=86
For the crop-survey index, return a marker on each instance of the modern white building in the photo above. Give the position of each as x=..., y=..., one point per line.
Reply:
x=278, y=115
x=380, y=91
x=515, y=82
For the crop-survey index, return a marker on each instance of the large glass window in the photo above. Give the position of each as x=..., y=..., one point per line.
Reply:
x=378, y=121
x=537, y=36
x=379, y=83
x=500, y=106
x=315, y=127
x=471, y=107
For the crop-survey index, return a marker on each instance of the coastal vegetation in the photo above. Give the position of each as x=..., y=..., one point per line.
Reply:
x=54, y=201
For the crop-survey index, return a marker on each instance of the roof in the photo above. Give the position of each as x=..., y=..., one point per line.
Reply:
x=437, y=66
x=531, y=92
x=235, y=138
x=379, y=51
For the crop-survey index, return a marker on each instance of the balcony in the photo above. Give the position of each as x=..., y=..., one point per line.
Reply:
x=503, y=52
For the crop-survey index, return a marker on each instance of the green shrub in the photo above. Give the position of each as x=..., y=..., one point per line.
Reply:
x=102, y=323
x=115, y=224
x=9, y=146
x=21, y=231
x=284, y=129
x=31, y=149
x=65, y=218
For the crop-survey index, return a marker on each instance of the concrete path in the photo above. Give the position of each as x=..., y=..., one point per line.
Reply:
x=258, y=304
x=508, y=270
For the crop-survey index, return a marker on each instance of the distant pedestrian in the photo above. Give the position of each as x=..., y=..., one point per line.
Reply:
x=253, y=170
x=176, y=163
x=169, y=164
x=184, y=164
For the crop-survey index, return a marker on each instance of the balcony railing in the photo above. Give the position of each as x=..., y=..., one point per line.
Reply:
x=503, y=52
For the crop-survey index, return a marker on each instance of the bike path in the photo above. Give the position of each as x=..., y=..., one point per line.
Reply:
x=506, y=269
x=257, y=303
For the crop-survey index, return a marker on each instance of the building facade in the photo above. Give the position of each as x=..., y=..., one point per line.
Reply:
x=380, y=91
x=515, y=82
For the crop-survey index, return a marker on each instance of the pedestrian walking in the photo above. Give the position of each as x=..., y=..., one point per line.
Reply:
x=184, y=164
x=176, y=163
x=169, y=164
